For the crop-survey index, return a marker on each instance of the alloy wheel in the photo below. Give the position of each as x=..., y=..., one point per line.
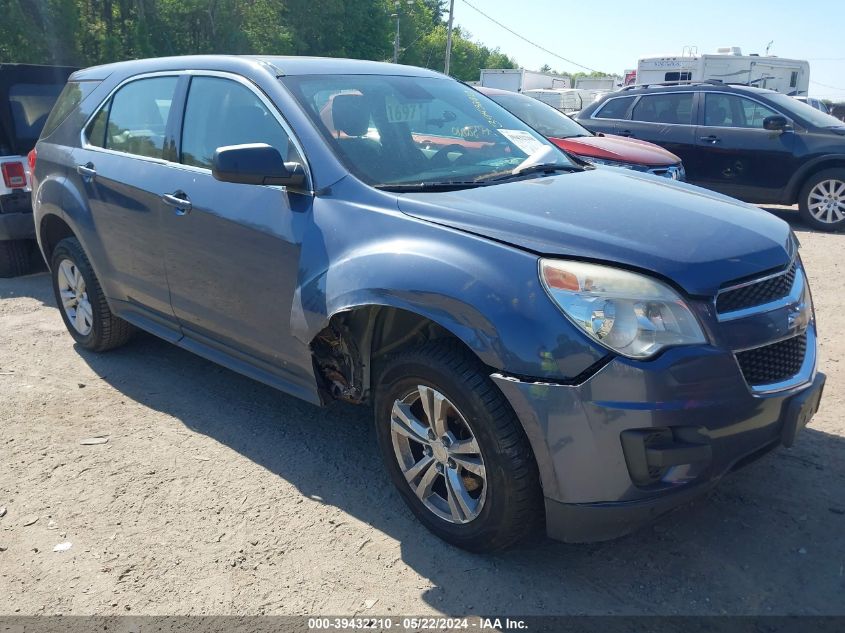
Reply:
x=74, y=297
x=826, y=201
x=439, y=455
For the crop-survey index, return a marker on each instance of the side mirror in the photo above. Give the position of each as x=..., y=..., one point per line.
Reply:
x=776, y=123
x=255, y=164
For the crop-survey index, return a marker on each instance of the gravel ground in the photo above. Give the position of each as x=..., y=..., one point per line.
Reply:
x=215, y=494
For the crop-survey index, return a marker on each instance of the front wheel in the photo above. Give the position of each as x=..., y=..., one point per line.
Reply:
x=455, y=449
x=822, y=200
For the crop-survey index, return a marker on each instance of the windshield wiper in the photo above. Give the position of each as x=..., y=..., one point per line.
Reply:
x=446, y=185
x=543, y=168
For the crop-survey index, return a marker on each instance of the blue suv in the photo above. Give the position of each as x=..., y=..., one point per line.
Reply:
x=540, y=339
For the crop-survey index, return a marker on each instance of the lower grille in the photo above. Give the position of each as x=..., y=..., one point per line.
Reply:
x=773, y=363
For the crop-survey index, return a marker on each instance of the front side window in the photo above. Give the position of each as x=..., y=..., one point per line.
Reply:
x=237, y=117
x=614, y=108
x=418, y=131
x=725, y=110
x=672, y=107
x=135, y=118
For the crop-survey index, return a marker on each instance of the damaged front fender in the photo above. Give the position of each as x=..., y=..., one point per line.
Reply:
x=485, y=293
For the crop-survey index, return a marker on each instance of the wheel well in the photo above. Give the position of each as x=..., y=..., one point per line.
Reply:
x=831, y=163
x=52, y=231
x=351, y=345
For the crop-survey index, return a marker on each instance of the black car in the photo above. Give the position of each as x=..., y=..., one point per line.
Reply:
x=27, y=94
x=757, y=145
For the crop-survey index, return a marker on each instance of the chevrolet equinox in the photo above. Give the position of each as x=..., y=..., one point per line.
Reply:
x=541, y=341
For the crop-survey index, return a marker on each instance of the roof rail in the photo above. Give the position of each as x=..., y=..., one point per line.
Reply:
x=683, y=82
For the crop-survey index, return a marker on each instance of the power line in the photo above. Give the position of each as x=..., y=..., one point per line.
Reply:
x=525, y=39
x=818, y=83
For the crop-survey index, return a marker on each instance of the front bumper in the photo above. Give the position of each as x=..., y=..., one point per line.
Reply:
x=16, y=221
x=587, y=438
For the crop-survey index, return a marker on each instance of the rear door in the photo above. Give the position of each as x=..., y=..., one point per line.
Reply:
x=735, y=155
x=232, y=249
x=666, y=119
x=120, y=167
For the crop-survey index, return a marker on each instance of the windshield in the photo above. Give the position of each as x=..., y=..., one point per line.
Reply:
x=392, y=130
x=806, y=112
x=541, y=116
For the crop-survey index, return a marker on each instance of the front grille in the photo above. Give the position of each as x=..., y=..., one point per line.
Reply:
x=773, y=363
x=756, y=294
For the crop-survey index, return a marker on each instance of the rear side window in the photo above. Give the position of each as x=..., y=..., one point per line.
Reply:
x=614, y=108
x=135, y=119
x=238, y=117
x=675, y=108
x=71, y=96
x=30, y=105
x=724, y=110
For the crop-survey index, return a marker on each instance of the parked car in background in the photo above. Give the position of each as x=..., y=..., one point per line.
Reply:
x=598, y=149
x=27, y=94
x=541, y=340
x=753, y=144
x=818, y=104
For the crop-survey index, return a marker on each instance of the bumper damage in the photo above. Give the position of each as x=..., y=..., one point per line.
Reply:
x=636, y=440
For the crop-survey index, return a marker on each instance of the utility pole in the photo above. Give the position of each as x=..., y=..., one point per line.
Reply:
x=396, y=38
x=398, y=5
x=449, y=36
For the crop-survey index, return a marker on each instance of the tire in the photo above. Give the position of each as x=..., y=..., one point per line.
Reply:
x=502, y=508
x=98, y=329
x=15, y=257
x=825, y=188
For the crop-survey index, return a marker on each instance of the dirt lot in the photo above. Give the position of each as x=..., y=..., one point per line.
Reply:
x=215, y=494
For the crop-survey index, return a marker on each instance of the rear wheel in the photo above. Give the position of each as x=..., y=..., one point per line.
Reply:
x=81, y=300
x=822, y=200
x=15, y=257
x=455, y=449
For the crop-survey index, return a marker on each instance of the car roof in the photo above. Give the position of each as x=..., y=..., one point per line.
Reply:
x=701, y=86
x=281, y=65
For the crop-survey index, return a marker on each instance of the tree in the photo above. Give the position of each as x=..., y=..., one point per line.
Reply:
x=86, y=32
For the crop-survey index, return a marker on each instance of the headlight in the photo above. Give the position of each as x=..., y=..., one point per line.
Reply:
x=631, y=314
x=613, y=163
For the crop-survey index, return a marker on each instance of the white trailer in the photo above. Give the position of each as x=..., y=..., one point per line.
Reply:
x=520, y=79
x=609, y=83
x=565, y=100
x=729, y=65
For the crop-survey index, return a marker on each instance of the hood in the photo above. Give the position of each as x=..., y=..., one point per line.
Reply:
x=619, y=148
x=694, y=237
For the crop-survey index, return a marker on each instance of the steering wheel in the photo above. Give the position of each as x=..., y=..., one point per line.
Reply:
x=441, y=158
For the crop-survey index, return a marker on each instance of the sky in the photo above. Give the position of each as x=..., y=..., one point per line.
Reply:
x=610, y=35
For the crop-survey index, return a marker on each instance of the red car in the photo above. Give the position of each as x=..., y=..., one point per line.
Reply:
x=604, y=149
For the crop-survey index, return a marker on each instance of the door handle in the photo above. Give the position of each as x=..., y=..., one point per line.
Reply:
x=710, y=139
x=626, y=133
x=179, y=201
x=87, y=171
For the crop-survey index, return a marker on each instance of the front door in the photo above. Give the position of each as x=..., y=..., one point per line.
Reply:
x=735, y=155
x=233, y=250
